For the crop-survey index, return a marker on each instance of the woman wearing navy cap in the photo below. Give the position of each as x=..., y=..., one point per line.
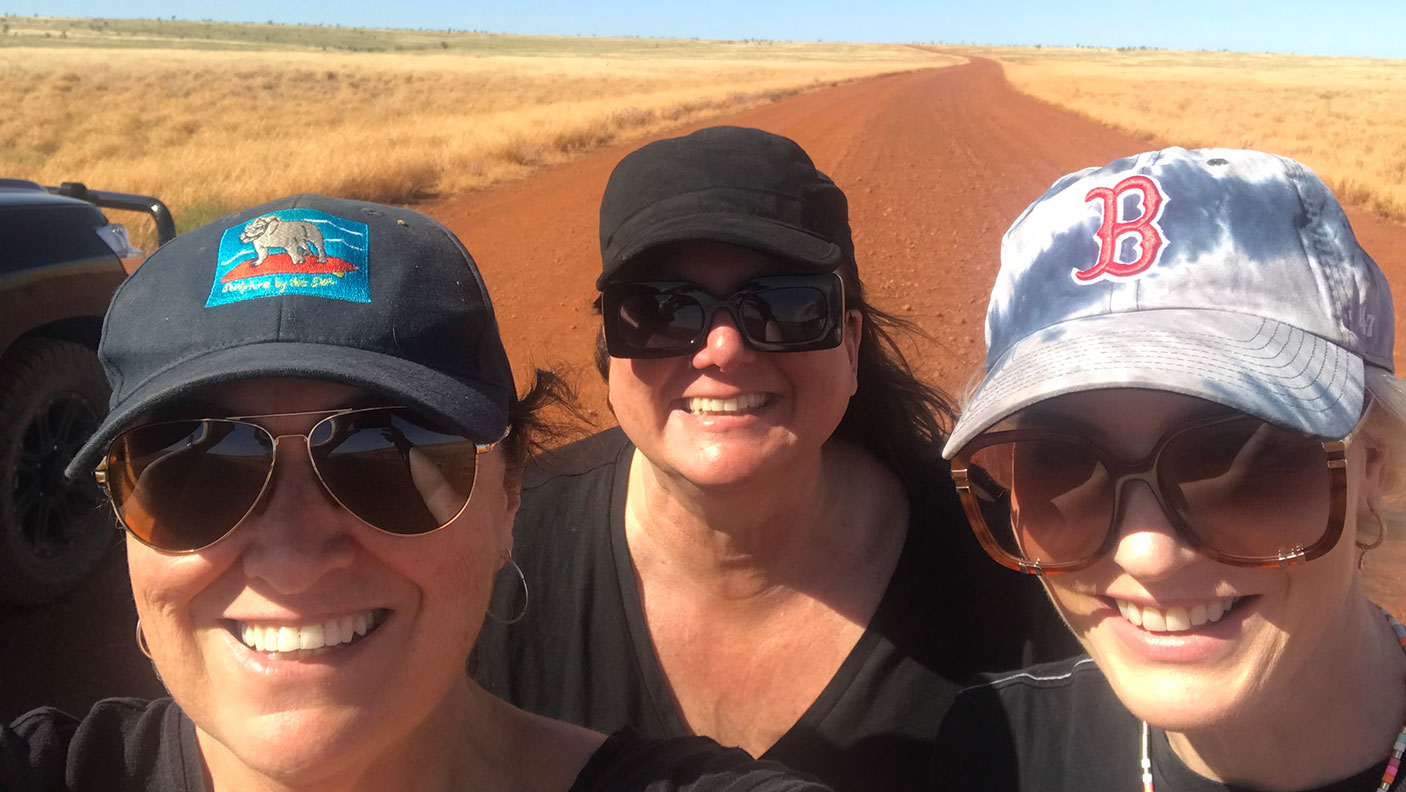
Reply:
x=768, y=551
x=1190, y=429
x=314, y=448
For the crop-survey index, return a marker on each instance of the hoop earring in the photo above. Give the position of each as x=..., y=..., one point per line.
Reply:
x=526, y=596
x=141, y=640
x=1364, y=547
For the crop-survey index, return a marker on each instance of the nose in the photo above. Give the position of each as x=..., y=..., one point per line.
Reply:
x=1148, y=545
x=298, y=533
x=724, y=347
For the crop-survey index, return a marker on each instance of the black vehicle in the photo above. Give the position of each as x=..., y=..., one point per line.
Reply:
x=60, y=261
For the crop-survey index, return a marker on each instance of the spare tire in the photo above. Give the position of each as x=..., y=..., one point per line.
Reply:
x=53, y=532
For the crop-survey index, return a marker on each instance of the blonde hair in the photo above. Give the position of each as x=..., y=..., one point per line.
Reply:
x=1385, y=428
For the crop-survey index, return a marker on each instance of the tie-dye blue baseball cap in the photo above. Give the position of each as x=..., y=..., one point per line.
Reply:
x=1224, y=274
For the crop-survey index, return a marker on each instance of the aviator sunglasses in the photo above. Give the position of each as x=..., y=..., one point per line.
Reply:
x=180, y=486
x=776, y=313
x=1235, y=489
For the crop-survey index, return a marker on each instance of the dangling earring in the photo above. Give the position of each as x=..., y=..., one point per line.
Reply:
x=522, y=583
x=1363, y=547
x=141, y=640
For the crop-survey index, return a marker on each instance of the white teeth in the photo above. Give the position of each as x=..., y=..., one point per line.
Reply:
x=1199, y=614
x=1153, y=620
x=285, y=638
x=747, y=401
x=1175, y=618
x=332, y=634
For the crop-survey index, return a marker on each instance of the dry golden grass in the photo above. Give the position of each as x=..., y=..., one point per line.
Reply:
x=214, y=130
x=1343, y=117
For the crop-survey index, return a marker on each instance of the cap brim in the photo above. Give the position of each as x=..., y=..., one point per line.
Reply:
x=745, y=230
x=1270, y=370
x=477, y=409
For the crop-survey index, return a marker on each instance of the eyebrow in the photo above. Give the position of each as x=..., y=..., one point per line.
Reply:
x=1043, y=417
x=203, y=407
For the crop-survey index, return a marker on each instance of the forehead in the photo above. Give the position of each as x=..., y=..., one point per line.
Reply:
x=716, y=266
x=266, y=396
x=1122, y=413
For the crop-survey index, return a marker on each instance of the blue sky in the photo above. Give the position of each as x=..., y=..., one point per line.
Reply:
x=1354, y=27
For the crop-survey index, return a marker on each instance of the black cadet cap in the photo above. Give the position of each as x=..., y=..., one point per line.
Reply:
x=737, y=185
x=310, y=287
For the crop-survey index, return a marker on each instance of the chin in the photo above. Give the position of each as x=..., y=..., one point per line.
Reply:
x=299, y=747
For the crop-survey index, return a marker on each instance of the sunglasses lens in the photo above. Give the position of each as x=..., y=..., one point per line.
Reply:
x=782, y=313
x=1248, y=488
x=394, y=469
x=182, y=485
x=786, y=316
x=1045, y=501
x=651, y=322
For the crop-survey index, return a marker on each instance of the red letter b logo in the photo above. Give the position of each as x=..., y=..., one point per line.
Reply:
x=1112, y=230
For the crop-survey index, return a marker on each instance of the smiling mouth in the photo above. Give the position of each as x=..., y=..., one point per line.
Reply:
x=298, y=642
x=1177, y=618
x=744, y=403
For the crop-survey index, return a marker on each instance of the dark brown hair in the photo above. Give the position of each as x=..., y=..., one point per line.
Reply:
x=535, y=428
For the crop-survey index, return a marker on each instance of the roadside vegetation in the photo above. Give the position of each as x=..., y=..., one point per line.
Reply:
x=1343, y=117
x=215, y=116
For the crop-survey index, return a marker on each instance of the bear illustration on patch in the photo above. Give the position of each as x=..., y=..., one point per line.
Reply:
x=270, y=232
x=292, y=251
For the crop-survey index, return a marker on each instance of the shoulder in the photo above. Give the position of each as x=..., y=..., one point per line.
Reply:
x=118, y=744
x=627, y=762
x=1074, y=678
x=1055, y=726
x=590, y=455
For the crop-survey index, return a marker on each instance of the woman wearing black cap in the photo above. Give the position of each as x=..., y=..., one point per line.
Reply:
x=768, y=551
x=314, y=447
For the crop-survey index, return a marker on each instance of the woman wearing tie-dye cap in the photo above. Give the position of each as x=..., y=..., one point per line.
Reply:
x=1189, y=427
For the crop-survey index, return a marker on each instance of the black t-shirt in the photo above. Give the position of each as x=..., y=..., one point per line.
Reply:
x=1059, y=728
x=129, y=744
x=583, y=653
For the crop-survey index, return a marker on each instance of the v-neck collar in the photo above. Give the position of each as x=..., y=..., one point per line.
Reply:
x=656, y=686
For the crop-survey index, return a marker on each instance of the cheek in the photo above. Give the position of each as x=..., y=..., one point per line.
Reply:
x=635, y=387
x=1075, y=598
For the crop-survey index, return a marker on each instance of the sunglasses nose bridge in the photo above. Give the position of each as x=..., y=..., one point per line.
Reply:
x=274, y=469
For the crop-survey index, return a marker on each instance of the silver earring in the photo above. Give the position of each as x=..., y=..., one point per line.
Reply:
x=1363, y=547
x=141, y=640
x=522, y=583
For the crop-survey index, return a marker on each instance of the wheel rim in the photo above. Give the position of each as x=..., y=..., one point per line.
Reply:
x=50, y=510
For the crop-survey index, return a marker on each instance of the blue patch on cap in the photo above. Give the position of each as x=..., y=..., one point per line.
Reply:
x=292, y=251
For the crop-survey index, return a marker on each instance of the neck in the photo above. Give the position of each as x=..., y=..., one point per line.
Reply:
x=455, y=747
x=1343, y=716
x=763, y=539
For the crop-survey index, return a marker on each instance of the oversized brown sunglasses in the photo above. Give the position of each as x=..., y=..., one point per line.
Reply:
x=181, y=486
x=1236, y=489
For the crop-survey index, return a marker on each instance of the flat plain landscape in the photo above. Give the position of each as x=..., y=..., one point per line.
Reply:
x=210, y=117
x=1343, y=117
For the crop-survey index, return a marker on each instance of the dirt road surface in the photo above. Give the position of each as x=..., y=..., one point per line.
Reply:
x=936, y=165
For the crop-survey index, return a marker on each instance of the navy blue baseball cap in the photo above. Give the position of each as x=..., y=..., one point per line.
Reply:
x=309, y=287
x=1228, y=275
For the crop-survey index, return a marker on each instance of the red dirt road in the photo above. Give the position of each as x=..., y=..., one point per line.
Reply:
x=936, y=164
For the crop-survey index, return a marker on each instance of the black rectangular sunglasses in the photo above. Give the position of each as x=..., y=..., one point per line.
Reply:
x=775, y=313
